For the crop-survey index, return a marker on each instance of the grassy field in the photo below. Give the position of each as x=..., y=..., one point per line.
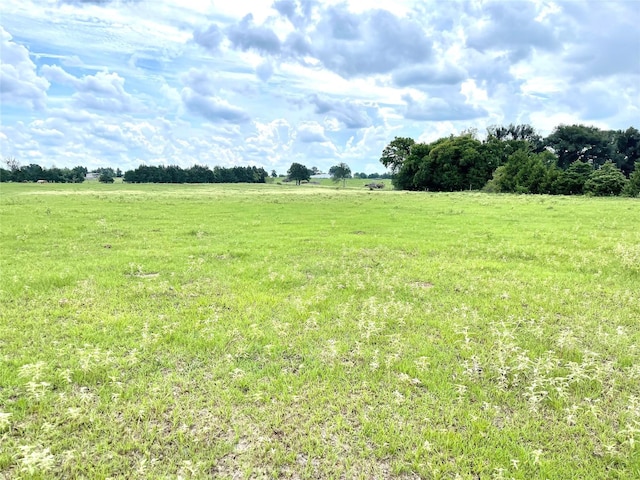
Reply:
x=274, y=331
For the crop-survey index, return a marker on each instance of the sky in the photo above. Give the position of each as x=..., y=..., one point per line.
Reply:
x=120, y=83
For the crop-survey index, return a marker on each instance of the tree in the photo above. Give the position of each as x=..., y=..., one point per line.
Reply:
x=118, y=173
x=448, y=164
x=105, y=177
x=607, y=180
x=628, y=150
x=299, y=173
x=78, y=174
x=274, y=174
x=516, y=133
x=524, y=172
x=571, y=181
x=340, y=172
x=108, y=170
x=632, y=188
x=395, y=154
x=12, y=164
x=579, y=142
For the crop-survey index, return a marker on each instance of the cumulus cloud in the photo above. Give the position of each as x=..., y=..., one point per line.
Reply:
x=373, y=42
x=349, y=113
x=19, y=82
x=247, y=36
x=311, y=132
x=103, y=91
x=593, y=51
x=46, y=134
x=298, y=12
x=97, y=2
x=440, y=109
x=514, y=27
x=429, y=75
x=209, y=38
x=201, y=81
x=201, y=97
x=264, y=71
x=212, y=108
x=302, y=80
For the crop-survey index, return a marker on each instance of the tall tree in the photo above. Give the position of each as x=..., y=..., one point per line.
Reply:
x=395, y=154
x=628, y=149
x=453, y=163
x=299, y=173
x=516, y=133
x=340, y=172
x=579, y=142
x=12, y=164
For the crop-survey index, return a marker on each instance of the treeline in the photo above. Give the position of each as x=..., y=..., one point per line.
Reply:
x=195, y=174
x=376, y=176
x=34, y=172
x=573, y=159
x=142, y=174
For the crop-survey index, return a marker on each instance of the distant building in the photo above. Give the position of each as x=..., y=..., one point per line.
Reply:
x=92, y=176
x=320, y=176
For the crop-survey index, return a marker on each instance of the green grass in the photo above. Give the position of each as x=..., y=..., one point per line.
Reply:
x=235, y=331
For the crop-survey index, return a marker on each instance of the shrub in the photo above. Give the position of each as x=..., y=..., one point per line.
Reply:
x=608, y=180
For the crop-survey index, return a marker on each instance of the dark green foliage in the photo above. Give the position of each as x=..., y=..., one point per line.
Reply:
x=571, y=181
x=517, y=160
x=628, y=150
x=516, y=133
x=524, y=172
x=195, y=174
x=448, y=164
x=632, y=188
x=396, y=153
x=34, y=172
x=607, y=180
x=78, y=174
x=299, y=173
x=579, y=142
x=340, y=172
x=105, y=177
x=108, y=170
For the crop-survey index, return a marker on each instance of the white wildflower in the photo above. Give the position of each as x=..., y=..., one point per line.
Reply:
x=37, y=390
x=35, y=460
x=32, y=371
x=536, y=456
x=4, y=420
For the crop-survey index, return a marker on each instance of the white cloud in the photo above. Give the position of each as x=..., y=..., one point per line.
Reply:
x=103, y=91
x=268, y=83
x=19, y=82
x=311, y=132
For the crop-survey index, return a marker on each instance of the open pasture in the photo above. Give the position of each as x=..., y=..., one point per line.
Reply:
x=274, y=331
